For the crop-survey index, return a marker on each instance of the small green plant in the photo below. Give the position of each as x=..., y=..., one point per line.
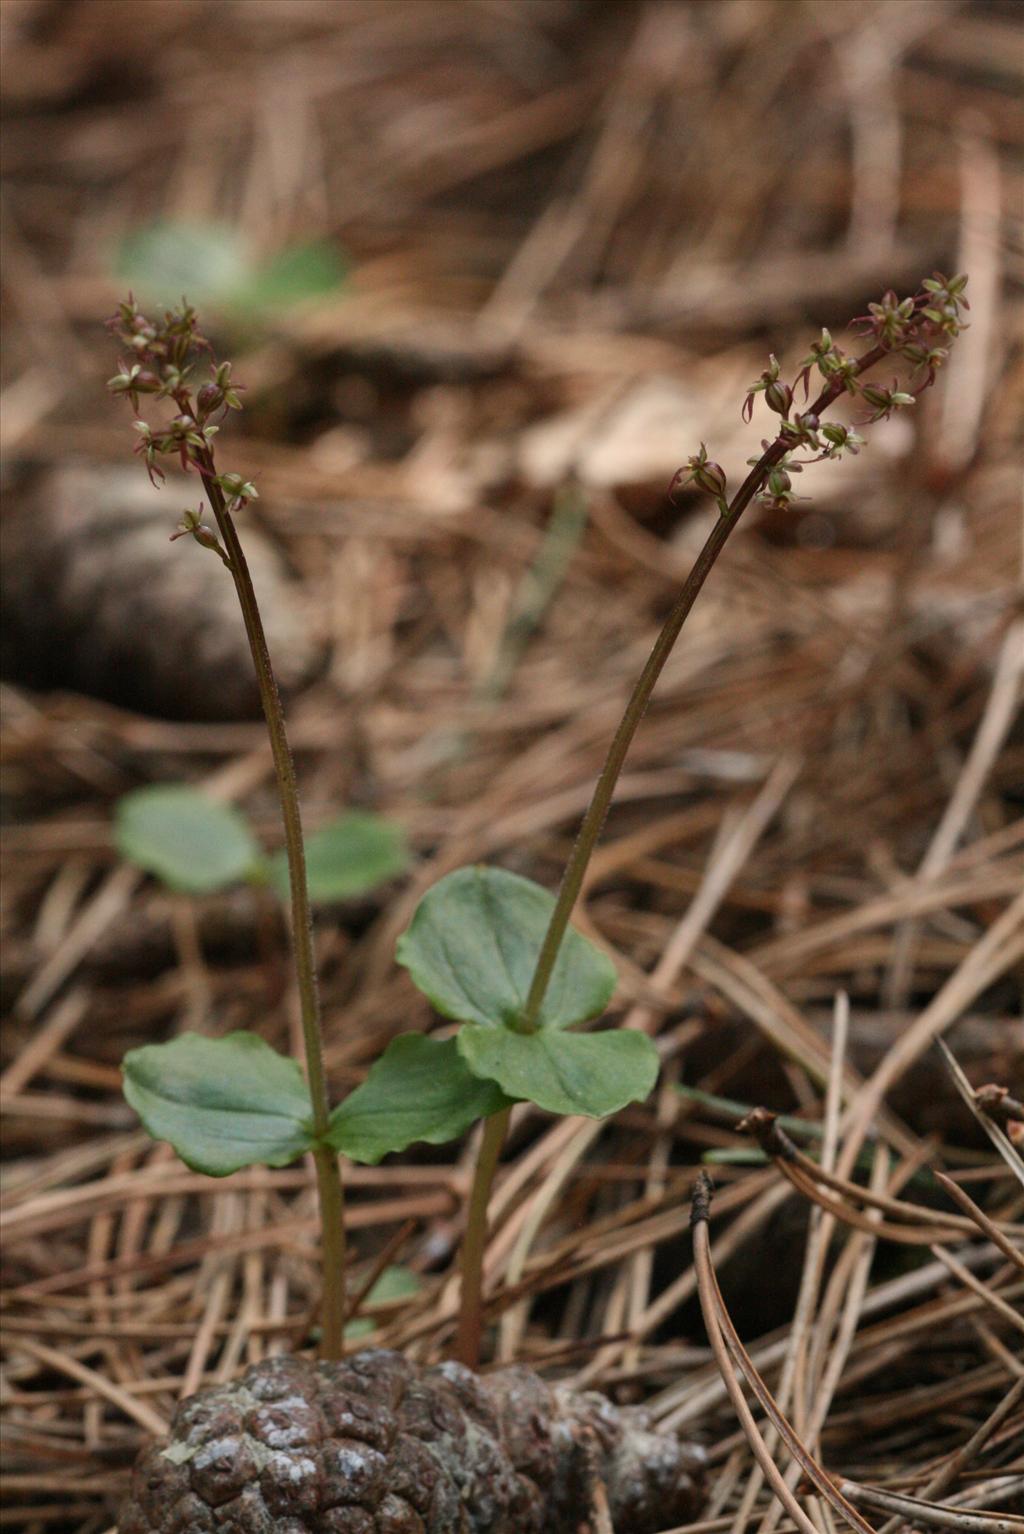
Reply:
x=196, y=846
x=492, y=951
x=215, y=264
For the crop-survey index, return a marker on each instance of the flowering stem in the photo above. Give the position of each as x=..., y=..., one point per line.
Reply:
x=328, y=1170
x=593, y=821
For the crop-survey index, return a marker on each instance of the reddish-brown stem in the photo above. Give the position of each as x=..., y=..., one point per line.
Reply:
x=474, y=1241
x=593, y=821
x=328, y=1170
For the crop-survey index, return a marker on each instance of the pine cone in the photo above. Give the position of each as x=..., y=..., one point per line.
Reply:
x=96, y=600
x=377, y=1445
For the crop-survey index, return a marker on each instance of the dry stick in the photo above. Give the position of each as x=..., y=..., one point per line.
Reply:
x=964, y=884
x=988, y=959
x=801, y=1170
x=851, y=1273
x=639, y=1272
x=716, y=1304
x=726, y=1485
x=816, y=1246
x=931, y=1513
x=829, y=1381
x=750, y=990
x=819, y=1384
x=1008, y=1363
x=992, y=1300
x=973, y=368
x=513, y=1322
x=964, y=1455
x=222, y=1281
x=45, y=1042
x=387, y=1252
x=1000, y=712
x=91, y=922
x=821, y=1224
x=862, y=1248
x=739, y=1230
x=908, y=1235
x=1001, y=1141
x=721, y=1352
x=981, y=1219
x=252, y=1309
x=328, y=1168
x=146, y=1416
x=681, y=1405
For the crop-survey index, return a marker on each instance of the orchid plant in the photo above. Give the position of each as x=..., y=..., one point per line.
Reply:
x=493, y=952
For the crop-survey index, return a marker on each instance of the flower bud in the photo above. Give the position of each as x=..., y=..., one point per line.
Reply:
x=209, y=398
x=778, y=397
x=206, y=536
x=710, y=476
x=841, y=439
x=703, y=472
x=237, y=488
x=884, y=401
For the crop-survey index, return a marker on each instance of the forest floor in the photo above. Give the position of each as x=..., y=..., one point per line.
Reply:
x=571, y=234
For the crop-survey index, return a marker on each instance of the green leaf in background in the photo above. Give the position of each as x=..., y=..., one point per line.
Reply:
x=394, y=1284
x=353, y=854
x=301, y=272
x=472, y=947
x=223, y=1103
x=590, y=1073
x=419, y=1089
x=189, y=841
x=212, y=263
x=206, y=260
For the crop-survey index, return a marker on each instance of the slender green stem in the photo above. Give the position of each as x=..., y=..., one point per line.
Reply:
x=328, y=1170
x=474, y=1241
x=593, y=821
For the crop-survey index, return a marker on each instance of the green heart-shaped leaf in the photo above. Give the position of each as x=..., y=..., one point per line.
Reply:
x=590, y=1073
x=223, y=1103
x=189, y=841
x=208, y=260
x=299, y=273
x=472, y=948
x=419, y=1089
x=353, y=854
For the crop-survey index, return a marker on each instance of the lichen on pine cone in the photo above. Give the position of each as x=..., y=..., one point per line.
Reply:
x=377, y=1445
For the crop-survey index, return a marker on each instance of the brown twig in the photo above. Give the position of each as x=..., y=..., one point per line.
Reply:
x=931, y=1514
x=987, y=1226
x=806, y=1175
x=715, y=1313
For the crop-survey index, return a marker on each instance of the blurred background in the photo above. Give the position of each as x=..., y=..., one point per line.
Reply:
x=490, y=271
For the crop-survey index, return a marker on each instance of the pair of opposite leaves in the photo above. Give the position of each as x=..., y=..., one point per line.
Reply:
x=471, y=949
